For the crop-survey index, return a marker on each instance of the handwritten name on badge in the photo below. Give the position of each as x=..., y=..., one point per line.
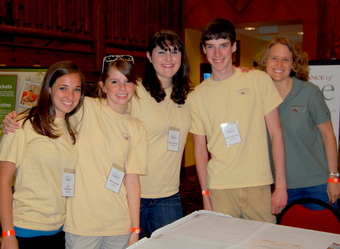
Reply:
x=115, y=179
x=173, y=139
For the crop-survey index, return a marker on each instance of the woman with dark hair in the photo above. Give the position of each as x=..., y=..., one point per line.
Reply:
x=161, y=74
x=165, y=115
x=38, y=154
x=112, y=151
x=310, y=145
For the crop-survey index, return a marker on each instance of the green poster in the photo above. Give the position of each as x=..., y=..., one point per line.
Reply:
x=8, y=84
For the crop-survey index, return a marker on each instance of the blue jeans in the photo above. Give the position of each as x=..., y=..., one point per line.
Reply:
x=156, y=213
x=317, y=192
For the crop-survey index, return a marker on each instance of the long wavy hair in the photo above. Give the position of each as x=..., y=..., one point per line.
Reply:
x=300, y=60
x=43, y=114
x=180, y=81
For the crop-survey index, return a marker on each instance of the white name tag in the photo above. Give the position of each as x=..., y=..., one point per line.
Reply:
x=115, y=179
x=231, y=133
x=173, y=139
x=67, y=184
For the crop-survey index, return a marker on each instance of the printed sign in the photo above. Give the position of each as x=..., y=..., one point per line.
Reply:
x=29, y=94
x=327, y=78
x=8, y=84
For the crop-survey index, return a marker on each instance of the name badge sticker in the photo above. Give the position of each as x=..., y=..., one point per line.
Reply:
x=173, y=139
x=231, y=133
x=67, y=184
x=115, y=179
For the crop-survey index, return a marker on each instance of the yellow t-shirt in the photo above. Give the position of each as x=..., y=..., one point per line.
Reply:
x=37, y=201
x=96, y=210
x=163, y=165
x=247, y=98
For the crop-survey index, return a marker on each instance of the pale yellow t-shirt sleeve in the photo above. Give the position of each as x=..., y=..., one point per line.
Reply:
x=77, y=117
x=137, y=157
x=269, y=94
x=197, y=126
x=13, y=145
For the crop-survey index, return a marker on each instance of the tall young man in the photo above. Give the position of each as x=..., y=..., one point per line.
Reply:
x=231, y=114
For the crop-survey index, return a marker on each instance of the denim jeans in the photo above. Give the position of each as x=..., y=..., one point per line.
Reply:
x=156, y=213
x=317, y=192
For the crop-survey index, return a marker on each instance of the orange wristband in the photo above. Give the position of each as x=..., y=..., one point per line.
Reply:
x=8, y=233
x=205, y=192
x=335, y=180
x=135, y=230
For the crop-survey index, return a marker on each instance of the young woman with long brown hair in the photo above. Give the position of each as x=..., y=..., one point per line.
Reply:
x=37, y=154
x=165, y=115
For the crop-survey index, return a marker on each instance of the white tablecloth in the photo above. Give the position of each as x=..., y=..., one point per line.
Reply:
x=205, y=229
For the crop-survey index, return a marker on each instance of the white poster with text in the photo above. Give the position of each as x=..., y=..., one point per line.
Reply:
x=327, y=78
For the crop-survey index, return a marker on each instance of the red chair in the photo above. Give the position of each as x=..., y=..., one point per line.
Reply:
x=296, y=215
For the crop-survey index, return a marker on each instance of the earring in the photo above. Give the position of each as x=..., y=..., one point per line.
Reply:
x=104, y=91
x=150, y=61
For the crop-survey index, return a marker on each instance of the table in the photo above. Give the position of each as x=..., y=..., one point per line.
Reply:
x=205, y=229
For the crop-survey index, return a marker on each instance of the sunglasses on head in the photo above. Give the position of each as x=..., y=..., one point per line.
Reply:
x=110, y=58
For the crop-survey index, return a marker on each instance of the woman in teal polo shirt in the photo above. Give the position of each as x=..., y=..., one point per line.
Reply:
x=310, y=145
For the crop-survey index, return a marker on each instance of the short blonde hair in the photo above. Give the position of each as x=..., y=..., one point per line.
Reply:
x=300, y=60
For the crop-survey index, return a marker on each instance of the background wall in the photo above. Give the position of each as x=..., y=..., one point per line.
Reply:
x=249, y=48
x=40, y=33
x=192, y=40
x=197, y=13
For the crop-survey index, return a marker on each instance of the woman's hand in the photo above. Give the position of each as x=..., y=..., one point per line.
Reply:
x=132, y=186
x=333, y=191
x=329, y=142
x=9, y=242
x=9, y=123
x=134, y=237
x=7, y=172
x=245, y=69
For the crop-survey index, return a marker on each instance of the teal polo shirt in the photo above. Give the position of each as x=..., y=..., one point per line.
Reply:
x=302, y=110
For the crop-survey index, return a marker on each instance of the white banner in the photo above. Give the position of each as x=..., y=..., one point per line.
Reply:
x=327, y=77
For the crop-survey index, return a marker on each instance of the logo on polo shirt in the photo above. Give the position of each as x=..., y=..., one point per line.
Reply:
x=244, y=91
x=298, y=108
x=127, y=137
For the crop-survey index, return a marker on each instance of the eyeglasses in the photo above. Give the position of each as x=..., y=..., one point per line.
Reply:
x=110, y=58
